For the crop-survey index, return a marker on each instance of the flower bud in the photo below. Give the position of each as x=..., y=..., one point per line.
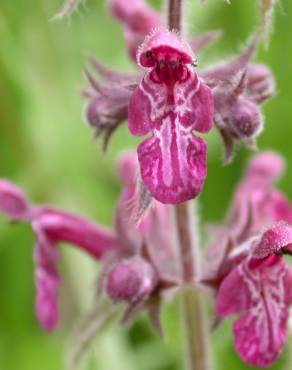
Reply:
x=246, y=119
x=131, y=280
x=104, y=113
x=267, y=166
x=107, y=100
x=13, y=202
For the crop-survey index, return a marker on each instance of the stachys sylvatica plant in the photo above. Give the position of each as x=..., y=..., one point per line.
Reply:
x=152, y=250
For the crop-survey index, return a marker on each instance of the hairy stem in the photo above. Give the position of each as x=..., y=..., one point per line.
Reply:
x=196, y=334
x=175, y=15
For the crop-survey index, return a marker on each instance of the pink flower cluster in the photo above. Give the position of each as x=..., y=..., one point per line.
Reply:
x=245, y=268
x=170, y=101
x=167, y=101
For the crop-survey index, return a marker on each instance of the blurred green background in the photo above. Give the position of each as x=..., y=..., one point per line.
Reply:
x=47, y=150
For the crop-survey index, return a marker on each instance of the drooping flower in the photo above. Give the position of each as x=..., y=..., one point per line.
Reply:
x=170, y=102
x=148, y=244
x=259, y=291
x=51, y=227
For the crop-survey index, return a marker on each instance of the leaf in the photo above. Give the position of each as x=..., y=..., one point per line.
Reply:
x=86, y=331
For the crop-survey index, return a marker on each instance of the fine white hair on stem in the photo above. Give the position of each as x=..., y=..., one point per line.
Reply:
x=68, y=8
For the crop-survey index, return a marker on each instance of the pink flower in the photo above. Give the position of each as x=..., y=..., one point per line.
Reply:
x=122, y=246
x=256, y=204
x=109, y=93
x=259, y=291
x=245, y=265
x=169, y=103
x=51, y=227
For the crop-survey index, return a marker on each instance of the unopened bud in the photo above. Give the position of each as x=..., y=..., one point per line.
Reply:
x=131, y=280
x=246, y=119
x=267, y=166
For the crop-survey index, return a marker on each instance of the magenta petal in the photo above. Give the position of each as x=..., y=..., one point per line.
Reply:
x=258, y=296
x=228, y=301
x=146, y=105
x=63, y=227
x=173, y=167
x=13, y=202
x=202, y=109
x=47, y=281
x=173, y=161
x=47, y=309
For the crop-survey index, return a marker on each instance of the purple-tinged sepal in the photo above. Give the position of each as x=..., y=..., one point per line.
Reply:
x=237, y=118
x=239, y=88
x=107, y=99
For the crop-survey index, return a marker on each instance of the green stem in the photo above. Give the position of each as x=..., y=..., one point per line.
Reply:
x=195, y=326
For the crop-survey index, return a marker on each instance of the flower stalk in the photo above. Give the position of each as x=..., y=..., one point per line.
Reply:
x=192, y=300
x=196, y=335
x=175, y=15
